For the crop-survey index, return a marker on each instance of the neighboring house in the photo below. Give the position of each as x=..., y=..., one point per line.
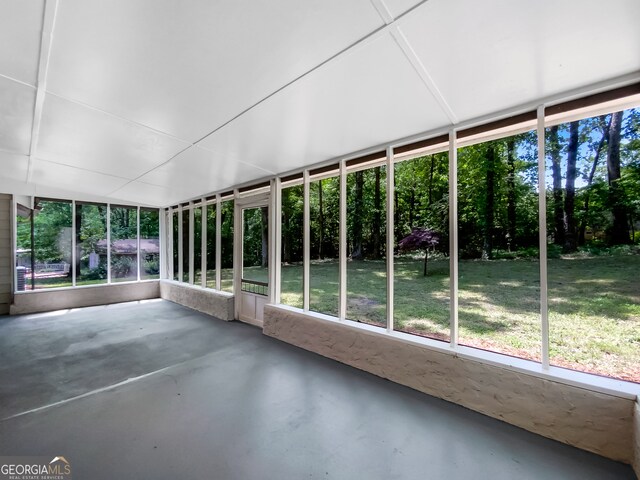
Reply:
x=129, y=246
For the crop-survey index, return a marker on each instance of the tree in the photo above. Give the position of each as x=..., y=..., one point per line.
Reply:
x=377, y=215
x=571, y=241
x=558, y=210
x=619, y=232
x=420, y=239
x=489, y=212
x=511, y=192
x=357, y=252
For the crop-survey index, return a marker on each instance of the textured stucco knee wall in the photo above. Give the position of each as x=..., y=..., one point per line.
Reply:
x=214, y=303
x=596, y=422
x=49, y=300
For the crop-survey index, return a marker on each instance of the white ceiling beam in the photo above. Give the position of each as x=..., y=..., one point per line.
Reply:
x=48, y=24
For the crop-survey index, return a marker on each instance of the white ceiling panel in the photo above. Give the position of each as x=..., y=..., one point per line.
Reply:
x=73, y=179
x=16, y=116
x=78, y=136
x=146, y=194
x=368, y=97
x=20, y=36
x=14, y=167
x=495, y=54
x=186, y=70
x=199, y=171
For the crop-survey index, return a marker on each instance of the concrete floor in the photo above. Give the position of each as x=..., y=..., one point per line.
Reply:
x=229, y=403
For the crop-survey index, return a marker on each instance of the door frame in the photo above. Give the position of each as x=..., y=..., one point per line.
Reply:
x=241, y=203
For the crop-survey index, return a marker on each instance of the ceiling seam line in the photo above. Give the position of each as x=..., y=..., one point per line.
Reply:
x=383, y=11
x=423, y=73
x=46, y=40
x=118, y=117
x=11, y=79
x=80, y=168
x=362, y=41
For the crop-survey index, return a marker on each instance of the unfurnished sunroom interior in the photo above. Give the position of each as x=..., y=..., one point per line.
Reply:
x=244, y=239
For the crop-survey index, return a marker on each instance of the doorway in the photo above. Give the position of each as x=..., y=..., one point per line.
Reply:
x=253, y=288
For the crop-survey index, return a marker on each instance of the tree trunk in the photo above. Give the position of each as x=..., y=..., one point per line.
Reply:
x=487, y=246
x=412, y=206
x=570, y=241
x=433, y=164
x=558, y=210
x=358, y=211
x=511, y=193
x=320, y=223
x=426, y=257
x=286, y=219
x=265, y=237
x=594, y=166
x=377, y=215
x=619, y=233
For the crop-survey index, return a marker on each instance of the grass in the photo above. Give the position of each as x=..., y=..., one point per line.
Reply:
x=594, y=305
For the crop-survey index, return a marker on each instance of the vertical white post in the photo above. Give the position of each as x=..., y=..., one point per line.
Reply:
x=306, y=247
x=170, y=246
x=138, y=242
x=542, y=227
x=14, y=244
x=218, y=241
x=180, y=246
x=276, y=239
x=342, y=300
x=453, y=237
x=108, y=243
x=162, y=229
x=192, y=224
x=390, y=240
x=238, y=240
x=203, y=244
x=73, y=243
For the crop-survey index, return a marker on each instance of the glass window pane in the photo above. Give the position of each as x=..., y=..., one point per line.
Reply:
x=124, y=244
x=255, y=246
x=292, y=239
x=149, y=244
x=185, y=245
x=51, y=244
x=176, y=246
x=226, y=270
x=91, y=243
x=499, y=280
x=211, y=245
x=421, y=231
x=366, y=266
x=324, y=268
x=197, y=244
x=593, y=212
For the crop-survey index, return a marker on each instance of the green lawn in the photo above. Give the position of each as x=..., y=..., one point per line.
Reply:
x=594, y=305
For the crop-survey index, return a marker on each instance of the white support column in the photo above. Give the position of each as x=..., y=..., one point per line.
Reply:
x=138, y=244
x=390, y=240
x=238, y=235
x=73, y=243
x=180, y=246
x=203, y=243
x=170, y=246
x=306, y=248
x=542, y=228
x=453, y=237
x=218, y=241
x=163, y=244
x=342, y=300
x=192, y=224
x=275, y=240
x=108, y=243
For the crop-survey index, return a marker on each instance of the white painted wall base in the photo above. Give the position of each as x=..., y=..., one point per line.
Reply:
x=598, y=422
x=63, y=298
x=212, y=302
